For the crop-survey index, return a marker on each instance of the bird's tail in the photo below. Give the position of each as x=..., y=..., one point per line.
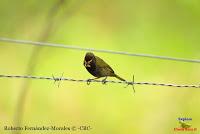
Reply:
x=119, y=78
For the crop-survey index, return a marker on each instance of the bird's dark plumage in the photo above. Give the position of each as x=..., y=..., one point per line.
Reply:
x=97, y=67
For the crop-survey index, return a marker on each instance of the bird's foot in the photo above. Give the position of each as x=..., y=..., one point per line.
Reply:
x=104, y=81
x=89, y=81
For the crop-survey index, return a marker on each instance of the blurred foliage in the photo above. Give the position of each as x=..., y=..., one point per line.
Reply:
x=168, y=28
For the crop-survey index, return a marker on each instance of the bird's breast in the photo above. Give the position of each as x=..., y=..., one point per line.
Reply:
x=94, y=71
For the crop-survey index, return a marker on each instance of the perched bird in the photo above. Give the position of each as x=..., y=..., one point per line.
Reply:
x=98, y=68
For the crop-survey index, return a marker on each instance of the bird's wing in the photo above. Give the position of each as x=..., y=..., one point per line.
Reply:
x=102, y=64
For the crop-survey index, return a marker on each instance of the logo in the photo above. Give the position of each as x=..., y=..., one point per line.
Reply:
x=185, y=125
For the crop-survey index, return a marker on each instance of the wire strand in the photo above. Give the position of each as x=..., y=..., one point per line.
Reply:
x=27, y=42
x=97, y=81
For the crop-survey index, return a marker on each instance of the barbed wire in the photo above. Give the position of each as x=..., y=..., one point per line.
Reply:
x=27, y=42
x=97, y=81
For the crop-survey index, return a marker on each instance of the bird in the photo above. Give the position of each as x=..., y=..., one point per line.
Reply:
x=98, y=67
x=184, y=124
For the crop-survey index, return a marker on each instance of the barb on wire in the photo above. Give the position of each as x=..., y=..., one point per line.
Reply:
x=131, y=83
x=57, y=79
x=98, y=81
x=27, y=42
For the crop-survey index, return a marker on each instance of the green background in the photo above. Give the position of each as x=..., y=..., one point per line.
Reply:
x=167, y=28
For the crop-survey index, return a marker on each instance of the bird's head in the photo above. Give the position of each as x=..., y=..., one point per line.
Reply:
x=89, y=59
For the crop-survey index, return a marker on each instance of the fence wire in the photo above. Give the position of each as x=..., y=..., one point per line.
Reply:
x=97, y=81
x=27, y=42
